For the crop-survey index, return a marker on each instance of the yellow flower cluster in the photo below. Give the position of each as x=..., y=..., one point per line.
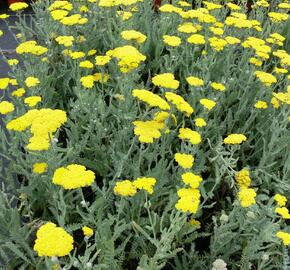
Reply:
x=87, y=231
x=53, y=241
x=284, y=236
x=235, y=138
x=128, y=57
x=31, y=47
x=165, y=80
x=6, y=107
x=188, y=134
x=39, y=167
x=150, y=98
x=67, y=41
x=73, y=176
x=173, y=41
x=18, y=6
x=147, y=131
x=266, y=78
x=246, y=195
x=243, y=178
x=180, y=103
x=184, y=160
x=194, y=81
x=128, y=188
x=133, y=35
x=43, y=122
x=189, y=200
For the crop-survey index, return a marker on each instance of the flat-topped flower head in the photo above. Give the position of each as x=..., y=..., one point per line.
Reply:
x=53, y=241
x=284, y=236
x=125, y=188
x=6, y=107
x=184, y=160
x=151, y=99
x=191, y=179
x=280, y=199
x=180, y=103
x=146, y=183
x=247, y=197
x=87, y=231
x=172, y=41
x=133, y=35
x=235, y=138
x=73, y=176
x=18, y=6
x=165, y=80
x=243, y=178
x=191, y=135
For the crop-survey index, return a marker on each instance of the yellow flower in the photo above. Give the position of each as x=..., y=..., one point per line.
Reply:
x=146, y=183
x=43, y=124
x=88, y=81
x=6, y=107
x=150, y=98
x=191, y=179
x=243, y=178
x=261, y=104
x=32, y=101
x=280, y=199
x=195, y=223
x=86, y=64
x=171, y=40
x=235, y=139
x=67, y=41
x=102, y=60
x=76, y=55
x=200, y=122
x=189, y=200
x=125, y=188
x=180, y=103
x=196, y=39
x=12, y=62
x=283, y=212
x=18, y=93
x=194, y=81
x=133, y=35
x=184, y=160
x=125, y=15
x=58, y=14
x=53, y=241
x=285, y=237
x=87, y=231
x=39, y=168
x=218, y=86
x=247, y=197
x=92, y=52
x=147, y=131
x=18, y=6
x=101, y=77
x=275, y=102
x=4, y=16
x=188, y=28
x=73, y=176
x=188, y=134
x=4, y=82
x=266, y=78
x=207, y=103
x=165, y=80
x=31, y=81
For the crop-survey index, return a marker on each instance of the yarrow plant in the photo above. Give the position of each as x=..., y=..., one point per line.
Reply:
x=146, y=135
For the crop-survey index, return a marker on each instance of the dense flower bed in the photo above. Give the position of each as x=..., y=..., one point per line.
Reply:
x=147, y=139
